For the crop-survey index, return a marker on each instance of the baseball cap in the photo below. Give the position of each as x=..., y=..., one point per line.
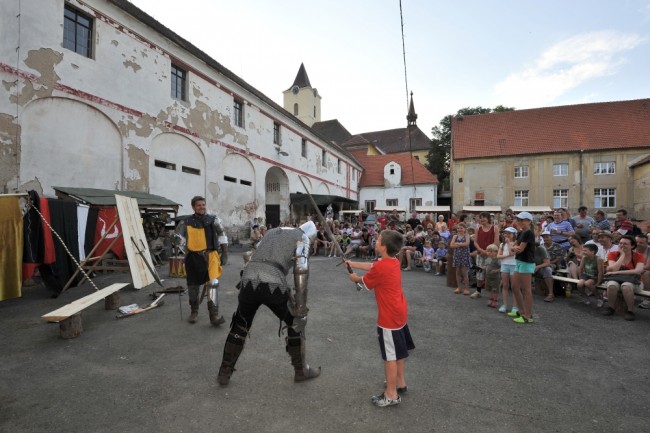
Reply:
x=510, y=230
x=524, y=216
x=546, y=233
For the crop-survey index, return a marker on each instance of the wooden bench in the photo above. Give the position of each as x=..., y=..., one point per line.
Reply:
x=69, y=316
x=620, y=305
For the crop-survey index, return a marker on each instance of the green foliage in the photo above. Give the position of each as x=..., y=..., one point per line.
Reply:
x=439, y=156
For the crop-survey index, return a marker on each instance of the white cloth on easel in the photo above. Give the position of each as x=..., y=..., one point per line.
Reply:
x=82, y=221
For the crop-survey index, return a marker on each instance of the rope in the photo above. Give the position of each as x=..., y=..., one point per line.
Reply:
x=30, y=205
x=406, y=85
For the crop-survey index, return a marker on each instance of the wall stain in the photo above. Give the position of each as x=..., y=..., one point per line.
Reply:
x=137, y=175
x=9, y=143
x=43, y=61
x=143, y=127
x=131, y=64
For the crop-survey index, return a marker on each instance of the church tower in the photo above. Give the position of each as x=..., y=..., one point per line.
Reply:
x=302, y=100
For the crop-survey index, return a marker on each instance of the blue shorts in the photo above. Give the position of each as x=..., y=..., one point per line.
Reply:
x=508, y=269
x=524, y=267
x=395, y=343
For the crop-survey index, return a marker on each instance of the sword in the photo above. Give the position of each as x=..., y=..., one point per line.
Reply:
x=153, y=272
x=328, y=230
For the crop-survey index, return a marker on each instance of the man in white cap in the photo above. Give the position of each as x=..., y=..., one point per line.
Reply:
x=263, y=282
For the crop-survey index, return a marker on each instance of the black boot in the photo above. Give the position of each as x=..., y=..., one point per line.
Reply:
x=231, y=351
x=194, y=313
x=296, y=349
x=213, y=311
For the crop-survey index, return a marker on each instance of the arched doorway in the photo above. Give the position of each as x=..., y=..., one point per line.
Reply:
x=277, y=196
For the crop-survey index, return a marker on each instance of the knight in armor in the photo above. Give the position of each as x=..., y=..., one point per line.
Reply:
x=263, y=282
x=204, y=235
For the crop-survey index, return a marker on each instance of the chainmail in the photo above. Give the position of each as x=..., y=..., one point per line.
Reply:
x=273, y=259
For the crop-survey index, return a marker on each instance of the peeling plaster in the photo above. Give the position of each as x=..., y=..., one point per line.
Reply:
x=197, y=93
x=131, y=64
x=142, y=128
x=137, y=176
x=114, y=42
x=212, y=125
x=9, y=143
x=213, y=190
x=74, y=66
x=43, y=61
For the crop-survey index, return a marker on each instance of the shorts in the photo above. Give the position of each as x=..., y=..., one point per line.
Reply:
x=394, y=344
x=635, y=287
x=546, y=272
x=508, y=269
x=585, y=277
x=524, y=267
x=492, y=285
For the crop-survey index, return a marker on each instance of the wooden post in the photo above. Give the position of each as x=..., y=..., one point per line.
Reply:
x=112, y=302
x=71, y=327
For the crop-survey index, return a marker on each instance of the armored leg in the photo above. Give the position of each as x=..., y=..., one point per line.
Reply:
x=232, y=349
x=213, y=303
x=296, y=350
x=193, y=292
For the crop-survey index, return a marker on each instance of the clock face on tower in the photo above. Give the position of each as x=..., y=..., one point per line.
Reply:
x=295, y=90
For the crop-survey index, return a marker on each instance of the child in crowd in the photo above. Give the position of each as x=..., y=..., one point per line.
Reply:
x=507, y=257
x=337, y=240
x=427, y=256
x=524, y=269
x=461, y=259
x=395, y=340
x=591, y=272
x=492, y=271
x=441, y=257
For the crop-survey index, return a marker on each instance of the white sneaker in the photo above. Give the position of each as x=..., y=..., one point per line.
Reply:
x=645, y=304
x=475, y=295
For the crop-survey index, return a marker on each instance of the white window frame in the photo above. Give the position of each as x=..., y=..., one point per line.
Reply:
x=392, y=202
x=604, y=198
x=604, y=168
x=370, y=206
x=560, y=198
x=413, y=203
x=561, y=169
x=521, y=197
x=521, y=171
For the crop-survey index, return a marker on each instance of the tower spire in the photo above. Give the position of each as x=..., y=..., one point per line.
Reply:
x=411, y=117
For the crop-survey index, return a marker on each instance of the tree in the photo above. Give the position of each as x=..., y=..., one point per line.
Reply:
x=439, y=156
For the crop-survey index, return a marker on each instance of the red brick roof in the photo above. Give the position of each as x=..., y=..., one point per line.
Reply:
x=599, y=126
x=373, y=166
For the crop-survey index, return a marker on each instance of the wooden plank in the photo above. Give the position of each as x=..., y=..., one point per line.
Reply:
x=82, y=303
x=643, y=293
x=131, y=222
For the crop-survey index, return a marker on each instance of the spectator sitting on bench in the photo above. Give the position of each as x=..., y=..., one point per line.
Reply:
x=574, y=256
x=643, y=248
x=555, y=252
x=544, y=271
x=591, y=273
x=322, y=240
x=623, y=262
x=441, y=257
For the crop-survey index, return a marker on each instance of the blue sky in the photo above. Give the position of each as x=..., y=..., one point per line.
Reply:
x=517, y=53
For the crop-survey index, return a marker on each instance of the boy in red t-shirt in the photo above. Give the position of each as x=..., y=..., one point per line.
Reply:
x=385, y=277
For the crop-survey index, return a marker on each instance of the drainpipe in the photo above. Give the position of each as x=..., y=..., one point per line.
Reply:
x=581, y=175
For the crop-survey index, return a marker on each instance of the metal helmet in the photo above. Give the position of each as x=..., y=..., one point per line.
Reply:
x=309, y=228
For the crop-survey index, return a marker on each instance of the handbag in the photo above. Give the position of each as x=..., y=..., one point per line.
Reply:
x=624, y=278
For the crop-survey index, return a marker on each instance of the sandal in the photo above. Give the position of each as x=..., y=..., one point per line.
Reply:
x=549, y=298
x=457, y=291
x=466, y=292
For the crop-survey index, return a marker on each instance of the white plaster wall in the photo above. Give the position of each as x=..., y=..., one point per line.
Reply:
x=59, y=149
x=175, y=184
x=128, y=79
x=428, y=194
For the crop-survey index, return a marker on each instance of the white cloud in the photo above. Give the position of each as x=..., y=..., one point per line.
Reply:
x=565, y=66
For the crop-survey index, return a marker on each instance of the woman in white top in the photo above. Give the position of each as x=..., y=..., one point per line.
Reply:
x=507, y=258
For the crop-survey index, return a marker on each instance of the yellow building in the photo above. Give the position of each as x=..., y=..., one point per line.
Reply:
x=569, y=156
